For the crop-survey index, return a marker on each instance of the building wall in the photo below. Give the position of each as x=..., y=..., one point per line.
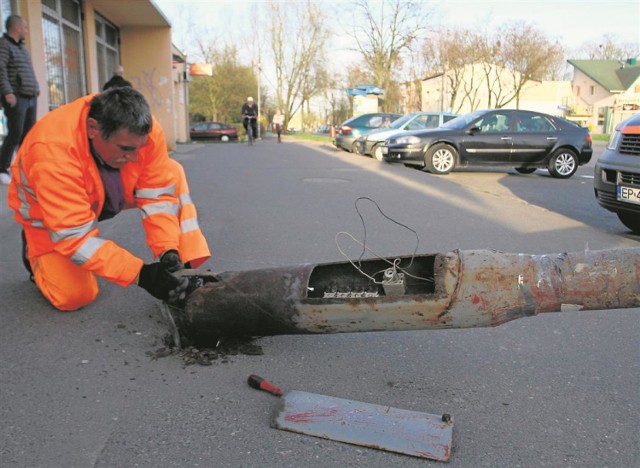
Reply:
x=145, y=53
x=625, y=105
x=146, y=57
x=473, y=94
x=433, y=94
x=31, y=11
x=581, y=100
x=587, y=91
x=546, y=96
x=181, y=95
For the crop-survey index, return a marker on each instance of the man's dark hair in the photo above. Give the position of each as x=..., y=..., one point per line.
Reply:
x=121, y=108
x=116, y=81
x=11, y=22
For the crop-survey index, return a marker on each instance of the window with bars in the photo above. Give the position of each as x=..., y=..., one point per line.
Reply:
x=7, y=7
x=63, y=53
x=107, y=41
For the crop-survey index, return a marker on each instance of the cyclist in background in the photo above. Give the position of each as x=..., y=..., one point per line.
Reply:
x=250, y=109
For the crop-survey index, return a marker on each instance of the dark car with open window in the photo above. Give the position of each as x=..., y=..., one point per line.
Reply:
x=617, y=174
x=524, y=140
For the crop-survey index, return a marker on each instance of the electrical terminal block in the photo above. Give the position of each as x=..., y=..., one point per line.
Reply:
x=393, y=283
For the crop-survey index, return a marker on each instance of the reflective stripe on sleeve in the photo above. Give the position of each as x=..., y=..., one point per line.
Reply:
x=189, y=225
x=159, y=208
x=154, y=194
x=78, y=231
x=185, y=199
x=86, y=250
x=22, y=196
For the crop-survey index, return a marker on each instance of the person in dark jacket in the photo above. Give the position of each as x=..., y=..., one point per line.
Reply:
x=250, y=116
x=18, y=90
x=117, y=80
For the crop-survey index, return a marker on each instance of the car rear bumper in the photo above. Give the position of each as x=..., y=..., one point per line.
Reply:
x=585, y=156
x=345, y=141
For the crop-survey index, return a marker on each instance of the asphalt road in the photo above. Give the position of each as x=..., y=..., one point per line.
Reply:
x=84, y=389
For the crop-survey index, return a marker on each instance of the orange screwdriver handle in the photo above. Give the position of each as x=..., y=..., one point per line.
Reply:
x=260, y=384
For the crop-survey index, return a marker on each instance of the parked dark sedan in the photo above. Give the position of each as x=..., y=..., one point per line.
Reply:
x=521, y=139
x=617, y=174
x=214, y=131
x=360, y=124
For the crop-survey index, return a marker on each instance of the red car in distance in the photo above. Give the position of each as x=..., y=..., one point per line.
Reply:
x=213, y=131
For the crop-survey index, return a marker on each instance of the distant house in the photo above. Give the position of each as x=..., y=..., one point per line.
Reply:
x=605, y=92
x=486, y=86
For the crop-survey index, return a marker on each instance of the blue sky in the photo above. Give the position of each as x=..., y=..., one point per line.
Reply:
x=573, y=22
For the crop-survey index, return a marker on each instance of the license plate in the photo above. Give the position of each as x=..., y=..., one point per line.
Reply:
x=629, y=194
x=385, y=150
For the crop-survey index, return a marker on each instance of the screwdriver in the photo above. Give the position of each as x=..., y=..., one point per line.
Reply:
x=260, y=384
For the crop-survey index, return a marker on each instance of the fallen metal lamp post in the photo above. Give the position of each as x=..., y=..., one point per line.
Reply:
x=458, y=289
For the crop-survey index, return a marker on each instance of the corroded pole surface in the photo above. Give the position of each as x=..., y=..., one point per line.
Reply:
x=458, y=289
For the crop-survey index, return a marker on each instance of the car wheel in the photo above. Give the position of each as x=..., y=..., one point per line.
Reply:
x=354, y=148
x=440, y=159
x=376, y=152
x=526, y=170
x=563, y=164
x=631, y=220
x=224, y=138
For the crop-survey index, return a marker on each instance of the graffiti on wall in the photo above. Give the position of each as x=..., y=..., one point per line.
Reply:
x=151, y=87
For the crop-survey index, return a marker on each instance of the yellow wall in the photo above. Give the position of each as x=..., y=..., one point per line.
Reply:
x=146, y=57
x=180, y=96
x=90, y=52
x=145, y=53
x=31, y=11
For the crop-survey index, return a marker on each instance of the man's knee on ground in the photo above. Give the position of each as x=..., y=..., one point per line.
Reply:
x=65, y=285
x=73, y=300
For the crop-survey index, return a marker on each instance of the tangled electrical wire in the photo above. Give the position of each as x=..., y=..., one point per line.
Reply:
x=395, y=268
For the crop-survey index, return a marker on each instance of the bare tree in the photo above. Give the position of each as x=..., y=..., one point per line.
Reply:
x=383, y=35
x=338, y=105
x=527, y=55
x=450, y=53
x=609, y=47
x=491, y=70
x=221, y=95
x=297, y=35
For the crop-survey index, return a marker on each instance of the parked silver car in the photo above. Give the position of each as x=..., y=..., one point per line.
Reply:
x=371, y=142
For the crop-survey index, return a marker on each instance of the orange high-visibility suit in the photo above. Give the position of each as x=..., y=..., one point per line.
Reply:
x=57, y=195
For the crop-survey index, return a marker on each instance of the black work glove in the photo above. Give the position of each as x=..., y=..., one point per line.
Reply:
x=161, y=284
x=171, y=261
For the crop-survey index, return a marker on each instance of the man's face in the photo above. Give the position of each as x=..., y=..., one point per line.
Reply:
x=117, y=150
x=250, y=103
x=22, y=30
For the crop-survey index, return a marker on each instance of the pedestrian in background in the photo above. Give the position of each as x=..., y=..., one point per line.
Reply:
x=117, y=80
x=18, y=90
x=278, y=122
